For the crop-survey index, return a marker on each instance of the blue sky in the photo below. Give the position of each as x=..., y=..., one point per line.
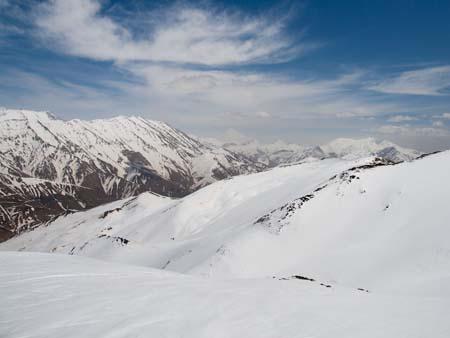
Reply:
x=302, y=72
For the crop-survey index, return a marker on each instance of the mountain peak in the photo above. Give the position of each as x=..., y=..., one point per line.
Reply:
x=355, y=148
x=24, y=114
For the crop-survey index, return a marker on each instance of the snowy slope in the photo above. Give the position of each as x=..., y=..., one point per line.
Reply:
x=199, y=221
x=358, y=223
x=55, y=296
x=113, y=158
x=330, y=248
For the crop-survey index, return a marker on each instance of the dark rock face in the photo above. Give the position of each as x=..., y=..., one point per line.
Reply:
x=27, y=203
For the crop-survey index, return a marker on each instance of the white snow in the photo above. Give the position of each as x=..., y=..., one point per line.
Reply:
x=56, y=296
x=220, y=262
x=280, y=152
x=186, y=231
x=351, y=148
x=368, y=231
x=40, y=140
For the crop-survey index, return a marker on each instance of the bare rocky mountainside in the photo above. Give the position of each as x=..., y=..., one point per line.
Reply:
x=51, y=167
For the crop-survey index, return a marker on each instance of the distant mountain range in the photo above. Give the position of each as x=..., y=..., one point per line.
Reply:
x=279, y=153
x=50, y=167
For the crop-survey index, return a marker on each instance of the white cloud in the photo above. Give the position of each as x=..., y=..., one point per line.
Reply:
x=438, y=124
x=247, y=115
x=233, y=136
x=446, y=116
x=187, y=63
x=180, y=35
x=401, y=118
x=163, y=62
x=250, y=93
x=428, y=81
x=262, y=114
x=406, y=130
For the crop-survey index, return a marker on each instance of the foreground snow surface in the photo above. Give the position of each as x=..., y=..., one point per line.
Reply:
x=328, y=248
x=50, y=295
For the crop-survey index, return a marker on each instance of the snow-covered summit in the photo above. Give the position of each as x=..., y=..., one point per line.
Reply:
x=104, y=160
x=23, y=114
x=114, y=158
x=357, y=148
x=280, y=152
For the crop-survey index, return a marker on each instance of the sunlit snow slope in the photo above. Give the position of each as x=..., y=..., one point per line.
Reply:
x=187, y=231
x=332, y=248
x=56, y=296
x=363, y=223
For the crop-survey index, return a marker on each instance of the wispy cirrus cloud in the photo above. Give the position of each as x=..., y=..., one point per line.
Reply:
x=434, y=81
x=247, y=92
x=438, y=124
x=401, y=118
x=191, y=58
x=191, y=55
x=180, y=35
x=407, y=130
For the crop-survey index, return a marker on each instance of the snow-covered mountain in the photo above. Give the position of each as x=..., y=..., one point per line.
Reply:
x=331, y=220
x=279, y=153
x=50, y=167
x=98, y=161
x=325, y=248
x=351, y=148
x=27, y=202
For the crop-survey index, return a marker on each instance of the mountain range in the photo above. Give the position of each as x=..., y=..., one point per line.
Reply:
x=127, y=226
x=322, y=248
x=279, y=152
x=254, y=225
x=51, y=167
